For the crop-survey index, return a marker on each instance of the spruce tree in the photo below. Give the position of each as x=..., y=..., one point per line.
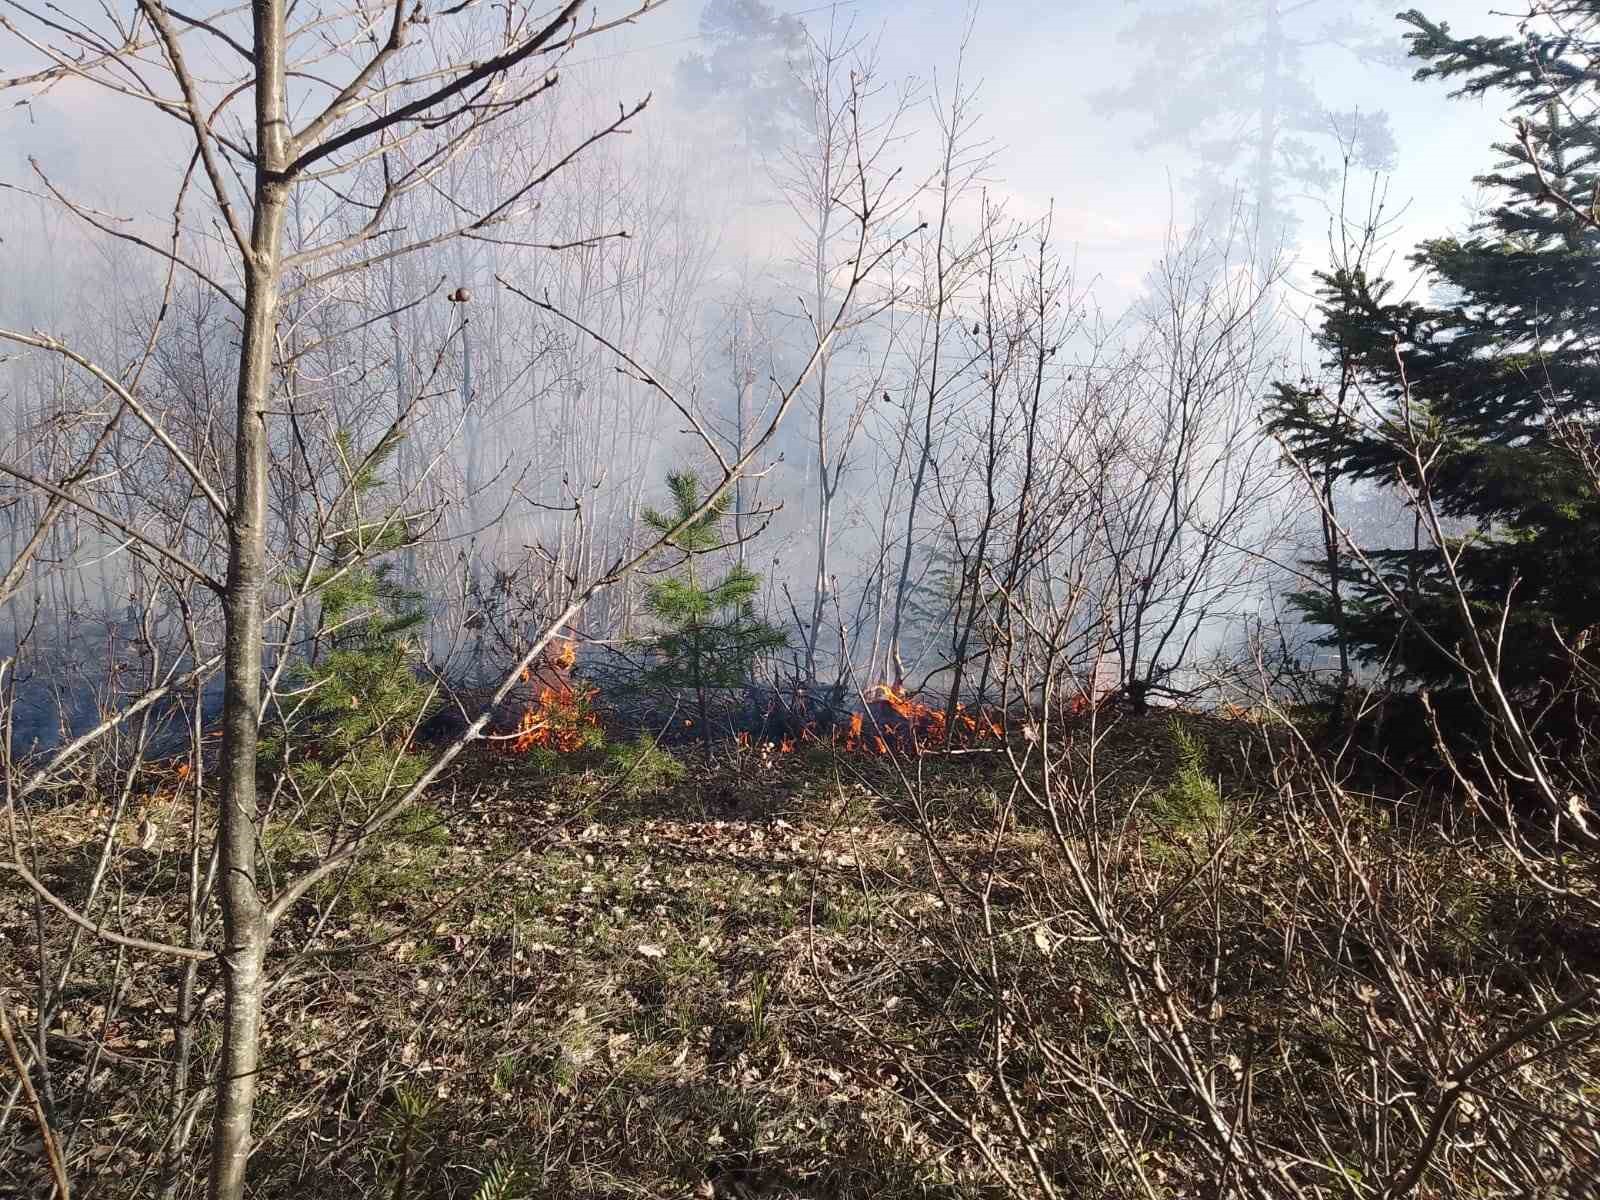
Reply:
x=1312, y=419
x=710, y=635
x=1493, y=383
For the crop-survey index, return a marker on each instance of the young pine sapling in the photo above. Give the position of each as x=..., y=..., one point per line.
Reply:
x=710, y=634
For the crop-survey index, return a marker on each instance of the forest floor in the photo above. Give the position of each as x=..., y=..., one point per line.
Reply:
x=704, y=980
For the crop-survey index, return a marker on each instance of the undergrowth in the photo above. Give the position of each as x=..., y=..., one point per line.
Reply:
x=736, y=977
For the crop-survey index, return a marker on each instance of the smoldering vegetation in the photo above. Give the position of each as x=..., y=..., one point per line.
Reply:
x=593, y=622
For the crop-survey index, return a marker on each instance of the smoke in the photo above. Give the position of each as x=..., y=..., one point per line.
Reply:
x=693, y=246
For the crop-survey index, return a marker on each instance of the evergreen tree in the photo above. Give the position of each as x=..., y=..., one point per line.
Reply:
x=345, y=745
x=1495, y=385
x=1314, y=419
x=1229, y=80
x=748, y=68
x=711, y=634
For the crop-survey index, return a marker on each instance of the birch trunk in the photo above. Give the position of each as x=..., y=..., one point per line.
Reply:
x=245, y=926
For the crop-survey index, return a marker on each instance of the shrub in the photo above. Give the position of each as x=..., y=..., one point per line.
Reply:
x=1191, y=804
x=345, y=746
x=710, y=635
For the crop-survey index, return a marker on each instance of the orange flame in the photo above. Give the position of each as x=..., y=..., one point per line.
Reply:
x=900, y=723
x=895, y=722
x=562, y=654
x=560, y=719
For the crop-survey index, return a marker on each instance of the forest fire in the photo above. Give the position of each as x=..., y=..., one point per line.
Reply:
x=894, y=722
x=560, y=717
x=783, y=745
x=907, y=724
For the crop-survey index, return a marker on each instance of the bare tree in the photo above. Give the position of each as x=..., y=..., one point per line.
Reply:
x=1245, y=979
x=812, y=178
x=1188, y=520
x=304, y=196
x=1024, y=313
x=937, y=359
x=401, y=105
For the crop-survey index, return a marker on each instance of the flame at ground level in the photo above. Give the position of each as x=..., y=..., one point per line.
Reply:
x=894, y=722
x=561, y=717
x=557, y=721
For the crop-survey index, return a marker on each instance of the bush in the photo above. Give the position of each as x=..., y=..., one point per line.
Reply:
x=710, y=634
x=344, y=748
x=414, y=844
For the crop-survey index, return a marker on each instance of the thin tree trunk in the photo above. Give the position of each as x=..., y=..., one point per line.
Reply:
x=894, y=667
x=741, y=417
x=244, y=919
x=1333, y=549
x=1267, y=231
x=819, y=584
x=403, y=454
x=974, y=571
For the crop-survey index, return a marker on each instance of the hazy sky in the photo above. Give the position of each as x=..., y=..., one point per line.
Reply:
x=1039, y=66
x=1039, y=63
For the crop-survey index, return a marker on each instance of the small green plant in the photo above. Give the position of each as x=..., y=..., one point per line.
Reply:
x=842, y=911
x=1190, y=804
x=502, y=1181
x=1463, y=916
x=410, y=1116
x=759, y=987
x=642, y=767
x=506, y=1070
x=542, y=760
x=344, y=744
x=685, y=982
x=710, y=632
x=576, y=1044
x=416, y=840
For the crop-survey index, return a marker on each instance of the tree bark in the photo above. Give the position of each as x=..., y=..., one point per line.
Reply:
x=244, y=919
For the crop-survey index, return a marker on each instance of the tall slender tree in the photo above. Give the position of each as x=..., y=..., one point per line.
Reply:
x=373, y=121
x=749, y=75
x=748, y=65
x=1230, y=81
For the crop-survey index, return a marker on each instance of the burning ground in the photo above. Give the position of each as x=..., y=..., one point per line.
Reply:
x=627, y=972
x=556, y=709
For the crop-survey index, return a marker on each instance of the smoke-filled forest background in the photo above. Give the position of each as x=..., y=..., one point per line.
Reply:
x=707, y=246
x=732, y=599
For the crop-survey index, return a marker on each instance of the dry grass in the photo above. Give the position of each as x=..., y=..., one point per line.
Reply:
x=770, y=976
